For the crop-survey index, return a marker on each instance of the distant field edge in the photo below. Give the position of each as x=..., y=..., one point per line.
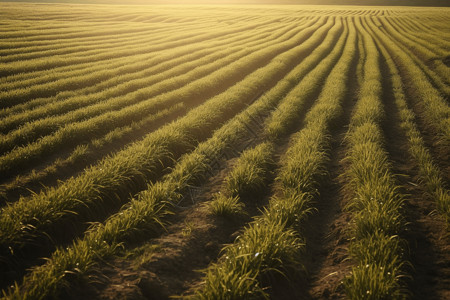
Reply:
x=429, y=3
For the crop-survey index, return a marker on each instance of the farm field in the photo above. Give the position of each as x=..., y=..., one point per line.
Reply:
x=224, y=152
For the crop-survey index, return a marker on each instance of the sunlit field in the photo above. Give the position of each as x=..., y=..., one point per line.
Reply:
x=224, y=152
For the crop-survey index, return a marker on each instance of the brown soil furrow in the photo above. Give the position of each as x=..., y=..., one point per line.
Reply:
x=327, y=238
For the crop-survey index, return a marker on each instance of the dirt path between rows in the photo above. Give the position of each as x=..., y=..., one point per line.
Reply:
x=327, y=254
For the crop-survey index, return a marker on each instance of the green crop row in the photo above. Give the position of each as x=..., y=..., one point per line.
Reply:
x=254, y=170
x=86, y=154
x=428, y=29
x=143, y=215
x=286, y=116
x=413, y=48
x=170, y=65
x=430, y=45
x=219, y=100
x=45, y=83
x=196, y=90
x=436, y=112
x=24, y=79
x=271, y=243
x=375, y=201
x=122, y=70
x=441, y=73
x=247, y=179
x=91, y=150
x=127, y=50
x=66, y=34
x=138, y=38
x=87, y=31
x=430, y=175
x=74, y=42
x=90, y=59
x=147, y=87
x=88, y=195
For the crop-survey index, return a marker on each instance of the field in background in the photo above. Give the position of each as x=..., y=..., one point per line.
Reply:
x=224, y=152
x=432, y=3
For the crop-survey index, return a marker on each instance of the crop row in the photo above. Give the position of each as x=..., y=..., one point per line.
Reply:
x=285, y=84
x=434, y=108
x=27, y=36
x=86, y=154
x=83, y=108
x=429, y=103
x=196, y=90
x=422, y=57
x=126, y=50
x=375, y=200
x=134, y=35
x=114, y=174
x=430, y=175
x=130, y=77
x=72, y=46
x=143, y=215
x=220, y=88
x=271, y=243
x=426, y=44
x=93, y=78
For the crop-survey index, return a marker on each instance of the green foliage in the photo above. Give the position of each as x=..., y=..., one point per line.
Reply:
x=228, y=207
x=284, y=119
x=263, y=247
x=376, y=203
x=114, y=173
x=431, y=178
x=271, y=243
x=373, y=281
x=143, y=216
x=78, y=89
x=251, y=172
